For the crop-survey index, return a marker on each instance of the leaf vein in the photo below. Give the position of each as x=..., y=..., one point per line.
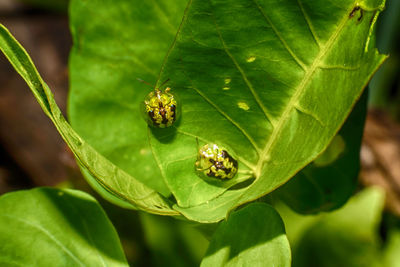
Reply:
x=244, y=76
x=310, y=25
x=298, y=90
x=88, y=234
x=251, y=140
x=339, y=67
x=309, y=113
x=166, y=19
x=275, y=30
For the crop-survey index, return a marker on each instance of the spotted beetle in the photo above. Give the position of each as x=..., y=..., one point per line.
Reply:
x=160, y=109
x=213, y=161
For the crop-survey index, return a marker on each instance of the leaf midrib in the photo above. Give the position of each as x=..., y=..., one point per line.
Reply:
x=298, y=92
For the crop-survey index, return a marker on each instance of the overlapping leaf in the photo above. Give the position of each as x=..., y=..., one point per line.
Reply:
x=120, y=184
x=53, y=227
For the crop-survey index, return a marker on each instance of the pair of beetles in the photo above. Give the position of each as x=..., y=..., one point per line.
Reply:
x=162, y=108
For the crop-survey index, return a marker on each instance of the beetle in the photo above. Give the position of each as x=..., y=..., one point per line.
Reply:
x=160, y=108
x=216, y=162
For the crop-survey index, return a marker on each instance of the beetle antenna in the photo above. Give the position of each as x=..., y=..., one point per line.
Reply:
x=164, y=83
x=142, y=81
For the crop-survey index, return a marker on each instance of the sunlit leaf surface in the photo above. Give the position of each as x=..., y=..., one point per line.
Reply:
x=271, y=81
x=53, y=227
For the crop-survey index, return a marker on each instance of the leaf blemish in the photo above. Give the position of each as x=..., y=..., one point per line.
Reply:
x=226, y=81
x=354, y=11
x=145, y=151
x=243, y=105
x=251, y=59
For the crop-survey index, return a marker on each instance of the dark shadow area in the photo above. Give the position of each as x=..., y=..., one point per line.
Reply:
x=232, y=184
x=165, y=135
x=243, y=184
x=11, y=176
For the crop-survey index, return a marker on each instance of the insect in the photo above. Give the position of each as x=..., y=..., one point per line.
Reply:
x=160, y=109
x=213, y=161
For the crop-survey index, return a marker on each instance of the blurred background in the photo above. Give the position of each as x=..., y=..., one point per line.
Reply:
x=33, y=154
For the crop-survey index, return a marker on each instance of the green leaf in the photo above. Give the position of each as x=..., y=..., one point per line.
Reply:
x=329, y=181
x=346, y=237
x=114, y=44
x=392, y=250
x=116, y=181
x=53, y=227
x=355, y=235
x=297, y=66
x=252, y=236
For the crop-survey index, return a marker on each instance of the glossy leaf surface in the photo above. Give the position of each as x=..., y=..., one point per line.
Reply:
x=252, y=236
x=271, y=80
x=53, y=227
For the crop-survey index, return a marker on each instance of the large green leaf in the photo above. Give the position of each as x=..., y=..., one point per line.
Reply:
x=271, y=80
x=252, y=236
x=52, y=227
x=119, y=183
x=329, y=181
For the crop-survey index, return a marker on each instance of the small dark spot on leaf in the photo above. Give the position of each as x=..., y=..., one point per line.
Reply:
x=353, y=12
x=361, y=15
